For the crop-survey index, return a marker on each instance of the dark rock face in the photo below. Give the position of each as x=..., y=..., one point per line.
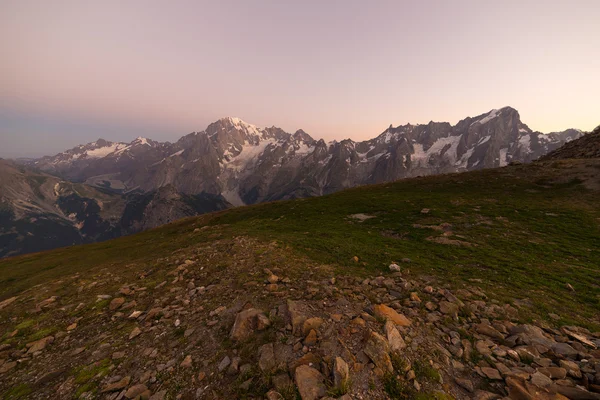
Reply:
x=247, y=165
x=41, y=212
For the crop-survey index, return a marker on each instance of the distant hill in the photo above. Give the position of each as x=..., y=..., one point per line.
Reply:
x=587, y=146
x=40, y=211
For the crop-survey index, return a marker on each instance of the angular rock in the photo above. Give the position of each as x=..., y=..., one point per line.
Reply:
x=119, y=385
x=488, y=330
x=266, y=358
x=116, y=303
x=39, y=345
x=297, y=317
x=135, y=391
x=310, y=382
x=311, y=323
x=340, y=373
x=383, y=311
x=378, y=351
x=246, y=322
x=135, y=333
x=394, y=337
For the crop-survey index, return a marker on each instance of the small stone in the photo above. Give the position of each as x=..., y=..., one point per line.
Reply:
x=272, y=287
x=266, y=357
x=311, y=338
x=135, y=333
x=135, y=314
x=135, y=390
x=7, y=302
x=39, y=345
x=187, y=362
x=224, y=363
x=120, y=385
x=554, y=372
x=449, y=308
x=116, y=303
x=540, y=380
x=465, y=384
x=491, y=373
x=273, y=278
x=415, y=297
x=311, y=324
x=72, y=327
x=394, y=267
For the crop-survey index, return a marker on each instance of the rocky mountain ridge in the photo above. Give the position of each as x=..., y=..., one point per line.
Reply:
x=248, y=165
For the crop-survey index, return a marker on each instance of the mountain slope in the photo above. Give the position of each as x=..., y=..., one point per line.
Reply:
x=249, y=165
x=40, y=212
x=587, y=146
x=498, y=280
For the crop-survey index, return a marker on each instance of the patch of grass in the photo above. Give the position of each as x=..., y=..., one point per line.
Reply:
x=397, y=389
x=425, y=372
x=290, y=392
x=340, y=390
x=20, y=391
x=87, y=376
x=398, y=362
x=25, y=324
x=42, y=333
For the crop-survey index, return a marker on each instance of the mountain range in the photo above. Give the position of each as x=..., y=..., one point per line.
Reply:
x=248, y=165
x=106, y=189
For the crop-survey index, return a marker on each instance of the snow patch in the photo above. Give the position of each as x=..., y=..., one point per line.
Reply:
x=420, y=156
x=248, y=154
x=525, y=143
x=490, y=116
x=503, y=157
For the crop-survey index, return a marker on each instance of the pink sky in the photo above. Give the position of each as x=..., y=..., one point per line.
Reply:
x=73, y=71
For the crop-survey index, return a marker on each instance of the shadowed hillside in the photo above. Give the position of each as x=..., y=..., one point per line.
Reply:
x=476, y=285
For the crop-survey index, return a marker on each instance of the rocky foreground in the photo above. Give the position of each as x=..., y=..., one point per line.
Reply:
x=243, y=319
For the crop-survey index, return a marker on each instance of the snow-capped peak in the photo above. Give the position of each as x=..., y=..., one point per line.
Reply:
x=140, y=141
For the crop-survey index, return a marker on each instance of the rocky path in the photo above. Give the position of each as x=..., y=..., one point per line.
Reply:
x=243, y=319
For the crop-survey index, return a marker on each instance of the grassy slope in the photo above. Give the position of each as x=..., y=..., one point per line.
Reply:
x=532, y=230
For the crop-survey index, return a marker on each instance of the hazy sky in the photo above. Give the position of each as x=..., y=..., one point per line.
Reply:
x=73, y=71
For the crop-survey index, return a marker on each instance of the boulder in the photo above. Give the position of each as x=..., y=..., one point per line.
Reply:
x=383, y=311
x=310, y=382
x=377, y=349
x=246, y=322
